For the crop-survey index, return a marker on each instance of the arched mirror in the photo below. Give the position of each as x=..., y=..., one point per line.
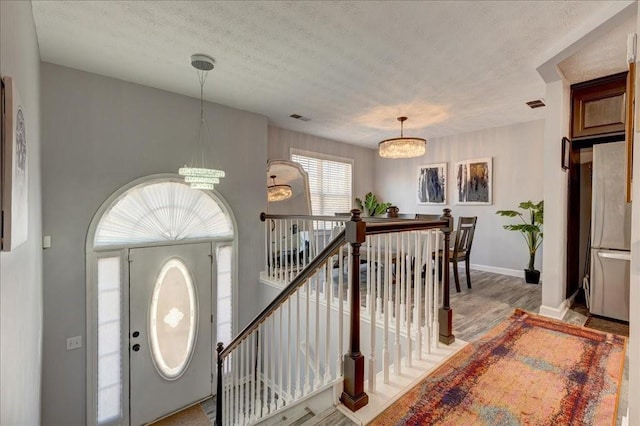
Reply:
x=288, y=173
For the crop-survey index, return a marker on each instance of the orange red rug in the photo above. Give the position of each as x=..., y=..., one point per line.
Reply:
x=529, y=370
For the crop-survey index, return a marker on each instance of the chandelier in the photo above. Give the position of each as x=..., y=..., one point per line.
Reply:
x=402, y=147
x=278, y=192
x=198, y=175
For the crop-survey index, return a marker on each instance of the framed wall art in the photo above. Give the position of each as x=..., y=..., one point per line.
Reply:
x=474, y=181
x=432, y=184
x=14, y=187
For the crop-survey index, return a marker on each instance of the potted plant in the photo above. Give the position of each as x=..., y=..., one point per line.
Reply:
x=371, y=206
x=531, y=230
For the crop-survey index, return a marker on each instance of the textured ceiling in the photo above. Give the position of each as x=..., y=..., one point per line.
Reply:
x=352, y=67
x=605, y=56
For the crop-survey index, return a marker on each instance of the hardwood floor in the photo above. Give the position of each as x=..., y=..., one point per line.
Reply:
x=491, y=300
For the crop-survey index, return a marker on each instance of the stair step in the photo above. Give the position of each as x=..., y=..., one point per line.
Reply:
x=329, y=417
x=297, y=418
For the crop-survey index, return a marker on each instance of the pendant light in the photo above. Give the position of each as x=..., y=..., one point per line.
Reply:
x=278, y=192
x=198, y=175
x=402, y=147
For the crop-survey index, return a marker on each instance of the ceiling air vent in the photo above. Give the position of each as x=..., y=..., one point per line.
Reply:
x=299, y=117
x=536, y=104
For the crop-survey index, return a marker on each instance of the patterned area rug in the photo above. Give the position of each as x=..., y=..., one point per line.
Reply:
x=528, y=370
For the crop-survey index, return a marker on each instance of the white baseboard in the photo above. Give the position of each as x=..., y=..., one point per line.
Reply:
x=496, y=270
x=625, y=419
x=556, y=313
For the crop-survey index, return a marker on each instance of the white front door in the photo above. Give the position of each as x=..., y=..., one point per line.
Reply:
x=170, y=329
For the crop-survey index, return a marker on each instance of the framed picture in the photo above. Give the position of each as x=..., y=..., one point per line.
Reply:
x=474, y=182
x=14, y=168
x=432, y=184
x=566, y=151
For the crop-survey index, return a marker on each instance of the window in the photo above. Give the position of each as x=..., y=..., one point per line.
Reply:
x=330, y=182
x=224, y=280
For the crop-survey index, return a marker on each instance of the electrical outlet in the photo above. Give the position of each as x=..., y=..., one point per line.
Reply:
x=74, y=342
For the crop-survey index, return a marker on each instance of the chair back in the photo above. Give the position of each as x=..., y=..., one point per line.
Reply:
x=464, y=235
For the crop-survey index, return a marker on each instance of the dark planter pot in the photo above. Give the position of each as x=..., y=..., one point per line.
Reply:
x=532, y=276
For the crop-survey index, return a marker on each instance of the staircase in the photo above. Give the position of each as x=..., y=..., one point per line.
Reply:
x=303, y=354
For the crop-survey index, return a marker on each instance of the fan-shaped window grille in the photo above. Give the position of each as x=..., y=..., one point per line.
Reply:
x=166, y=211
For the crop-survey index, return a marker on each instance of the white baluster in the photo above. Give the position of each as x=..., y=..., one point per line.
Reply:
x=279, y=249
x=417, y=297
x=386, y=297
x=349, y=272
x=340, y=312
x=378, y=300
x=266, y=247
x=372, y=310
x=398, y=349
x=272, y=357
x=240, y=388
x=407, y=294
x=227, y=395
x=258, y=386
x=307, y=361
x=252, y=375
x=262, y=370
x=436, y=291
x=367, y=298
x=265, y=368
x=290, y=375
x=317, y=381
x=280, y=358
x=402, y=259
x=297, y=347
x=327, y=346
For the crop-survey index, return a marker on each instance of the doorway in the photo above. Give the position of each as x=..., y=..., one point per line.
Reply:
x=170, y=322
x=161, y=286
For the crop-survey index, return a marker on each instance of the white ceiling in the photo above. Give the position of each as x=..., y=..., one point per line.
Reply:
x=352, y=67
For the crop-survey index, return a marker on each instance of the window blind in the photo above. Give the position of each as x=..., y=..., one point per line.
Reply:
x=330, y=183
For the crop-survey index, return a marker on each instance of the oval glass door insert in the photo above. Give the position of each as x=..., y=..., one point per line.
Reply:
x=173, y=319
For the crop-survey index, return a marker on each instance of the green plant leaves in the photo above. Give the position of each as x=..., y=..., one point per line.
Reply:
x=371, y=206
x=530, y=229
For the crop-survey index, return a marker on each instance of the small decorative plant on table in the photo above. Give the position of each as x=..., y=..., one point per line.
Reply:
x=371, y=206
x=531, y=231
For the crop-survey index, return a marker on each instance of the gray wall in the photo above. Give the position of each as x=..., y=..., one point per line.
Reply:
x=102, y=133
x=281, y=141
x=517, y=153
x=21, y=269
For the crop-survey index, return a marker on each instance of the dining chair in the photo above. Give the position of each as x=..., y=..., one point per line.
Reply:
x=461, y=250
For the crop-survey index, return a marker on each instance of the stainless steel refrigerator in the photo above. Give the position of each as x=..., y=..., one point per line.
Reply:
x=610, y=234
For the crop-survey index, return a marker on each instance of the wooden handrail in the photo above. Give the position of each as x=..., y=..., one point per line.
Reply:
x=355, y=232
x=405, y=225
x=265, y=216
x=330, y=250
x=397, y=225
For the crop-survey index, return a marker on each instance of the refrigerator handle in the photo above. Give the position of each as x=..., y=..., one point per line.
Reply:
x=618, y=256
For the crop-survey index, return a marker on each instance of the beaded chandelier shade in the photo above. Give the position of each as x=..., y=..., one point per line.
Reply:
x=278, y=192
x=198, y=175
x=402, y=147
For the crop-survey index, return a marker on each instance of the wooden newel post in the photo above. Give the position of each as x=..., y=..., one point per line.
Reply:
x=219, y=349
x=445, y=314
x=353, y=395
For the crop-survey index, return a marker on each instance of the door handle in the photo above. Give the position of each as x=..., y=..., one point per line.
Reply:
x=136, y=347
x=618, y=256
